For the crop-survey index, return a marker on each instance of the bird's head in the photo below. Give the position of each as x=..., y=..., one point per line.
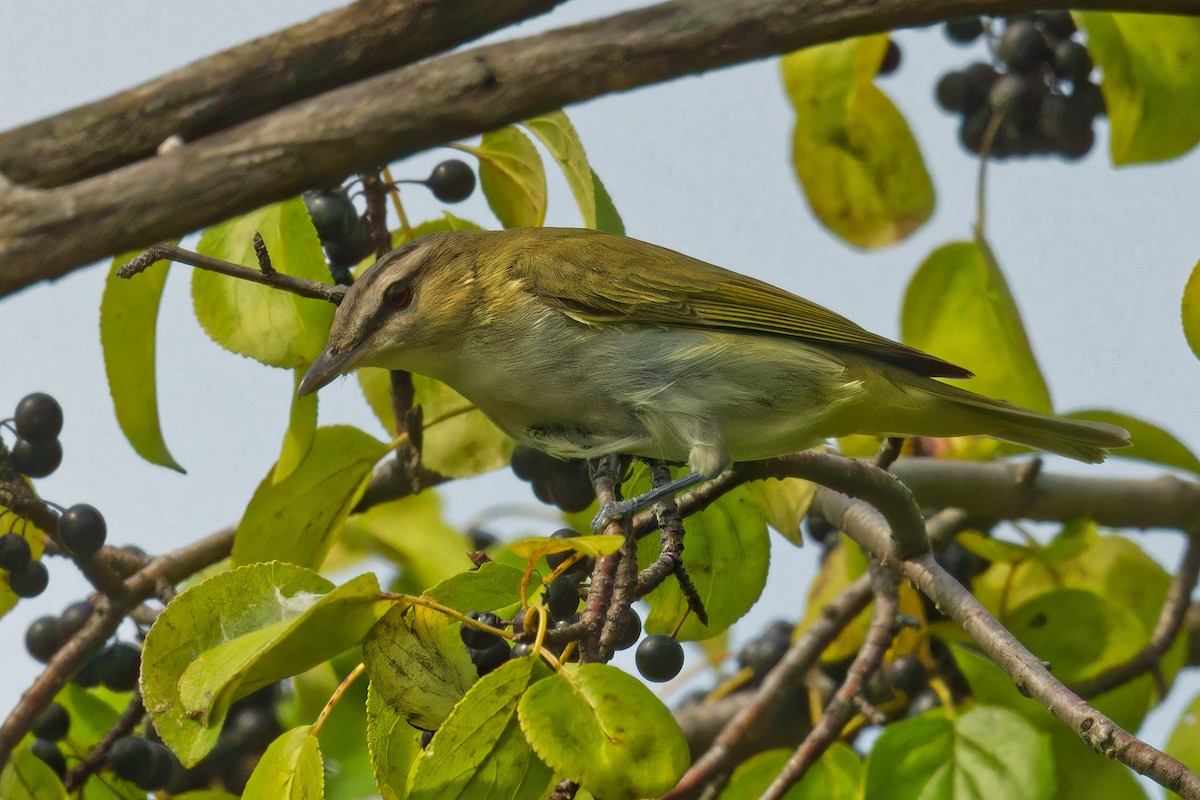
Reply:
x=405, y=311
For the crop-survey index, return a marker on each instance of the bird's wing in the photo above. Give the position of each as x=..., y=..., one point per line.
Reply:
x=613, y=279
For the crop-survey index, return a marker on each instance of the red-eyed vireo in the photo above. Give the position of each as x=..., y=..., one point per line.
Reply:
x=585, y=344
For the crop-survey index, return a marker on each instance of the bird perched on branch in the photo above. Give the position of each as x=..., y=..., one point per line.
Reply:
x=585, y=344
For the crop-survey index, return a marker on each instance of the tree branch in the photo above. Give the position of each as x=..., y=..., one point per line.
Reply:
x=247, y=81
x=47, y=233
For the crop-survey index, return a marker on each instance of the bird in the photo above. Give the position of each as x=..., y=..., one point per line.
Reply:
x=585, y=344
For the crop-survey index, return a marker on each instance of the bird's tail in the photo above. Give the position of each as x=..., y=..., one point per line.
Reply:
x=1078, y=439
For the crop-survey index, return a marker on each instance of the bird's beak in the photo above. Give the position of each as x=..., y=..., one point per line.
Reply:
x=329, y=365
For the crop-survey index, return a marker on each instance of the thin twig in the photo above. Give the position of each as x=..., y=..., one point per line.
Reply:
x=98, y=755
x=885, y=584
x=670, y=557
x=604, y=478
x=800, y=657
x=277, y=280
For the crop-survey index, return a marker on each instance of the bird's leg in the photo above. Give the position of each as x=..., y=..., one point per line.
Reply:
x=610, y=511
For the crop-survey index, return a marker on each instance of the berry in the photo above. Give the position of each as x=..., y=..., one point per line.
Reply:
x=562, y=596
x=477, y=639
x=1059, y=24
x=907, y=674
x=520, y=651
x=88, y=675
x=982, y=76
x=1088, y=100
x=628, y=631
x=162, y=764
x=891, y=59
x=763, y=653
x=659, y=657
x=1017, y=99
x=964, y=30
x=426, y=738
x=344, y=234
x=481, y=539
x=1072, y=61
x=39, y=418
x=119, y=666
x=74, y=617
x=31, y=581
x=36, y=459
x=1023, y=47
x=49, y=753
x=1080, y=144
x=972, y=131
x=953, y=90
x=130, y=757
x=15, y=554
x=83, y=529
x=52, y=723
x=487, y=660
x=451, y=181
x=43, y=638
x=526, y=462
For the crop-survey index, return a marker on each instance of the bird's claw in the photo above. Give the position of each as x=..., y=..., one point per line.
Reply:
x=608, y=512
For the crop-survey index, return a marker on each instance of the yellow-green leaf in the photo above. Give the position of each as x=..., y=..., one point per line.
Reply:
x=296, y=519
x=1150, y=442
x=784, y=503
x=1191, y=310
x=302, y=427
x=393, y=745
x=1184, y=743
x=128, y=319
x=835, y=776
x=457, y=445
x=26, y=777
x=290, y=769
x=853, y=152
x=603, y=728
x=512, y=177
x=278, y=328
x=559, y=136
x=958, y=307
x=1151, y=82
x=594, y=546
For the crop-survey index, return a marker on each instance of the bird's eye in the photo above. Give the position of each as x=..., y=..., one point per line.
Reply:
x=398, y=296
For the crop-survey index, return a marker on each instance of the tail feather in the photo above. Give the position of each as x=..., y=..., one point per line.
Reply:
x=1081, y=440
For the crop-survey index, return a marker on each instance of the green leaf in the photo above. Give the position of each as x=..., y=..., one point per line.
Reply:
x=958, y=307
x=727, y=555
x=784, y=504
x=238, y=631
x=559, y=136
x=1150, y=442
x=412, y=533
x=984, y=753
x=205, y=794
x=128, y=320
x=480, y=752
x=1080, y=633
x=302, y=427
x=296, y=519
x=290, y=769
x=393, y=744
x=512, y=177
x=1082, y=773
x=1184, y=743
x=93, y=713
x=853, y=152
x=26, y=777
x=1150, y=82
x=492, y=586
x=1191, y=310
x=457, y=445
x=418, y=664
x=835, y=776
x=607, y=217
x=991, y=549
x=278, y=328
x=604, y=729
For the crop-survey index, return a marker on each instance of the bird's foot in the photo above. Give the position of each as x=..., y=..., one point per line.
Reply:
x=613, y=510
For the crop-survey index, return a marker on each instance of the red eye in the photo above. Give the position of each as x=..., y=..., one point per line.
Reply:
x=398, y=296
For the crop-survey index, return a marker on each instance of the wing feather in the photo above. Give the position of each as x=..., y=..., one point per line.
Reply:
x=616, y=279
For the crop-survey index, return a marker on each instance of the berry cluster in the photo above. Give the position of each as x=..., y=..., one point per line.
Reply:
x=27, y=577
x=565, y=484
x=344, y=233
x=38, y=421
x=1037, y=99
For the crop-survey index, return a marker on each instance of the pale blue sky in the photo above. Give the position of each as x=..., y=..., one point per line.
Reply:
x=1097, y=258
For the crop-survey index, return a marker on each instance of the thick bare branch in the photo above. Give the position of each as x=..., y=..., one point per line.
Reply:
x=247, y=81
x=47, y=233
